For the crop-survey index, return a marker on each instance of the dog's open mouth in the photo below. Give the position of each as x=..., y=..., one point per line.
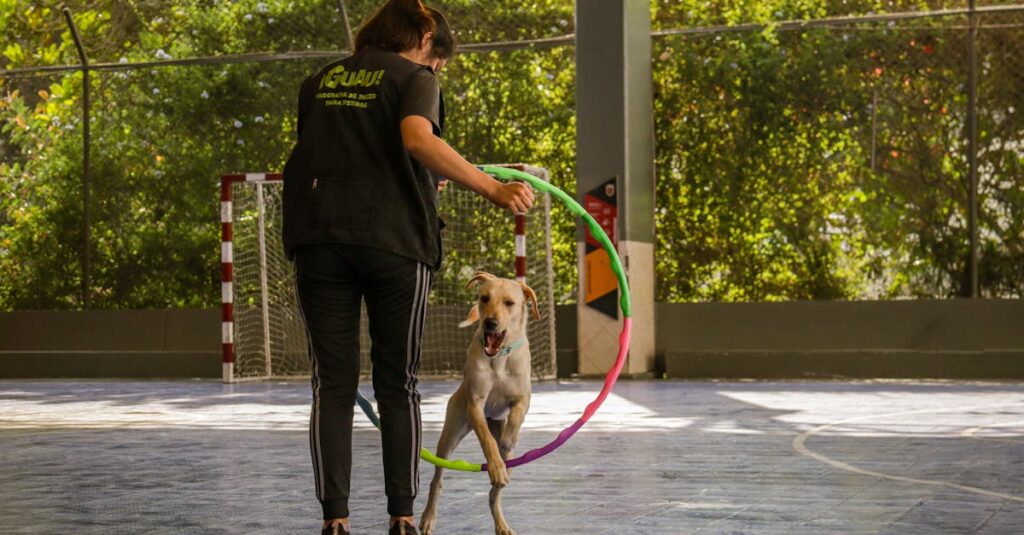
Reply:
x=492, y=342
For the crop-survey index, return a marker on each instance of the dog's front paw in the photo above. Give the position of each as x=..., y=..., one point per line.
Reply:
x=504, y=530
x=427, y=525
x=498, y=473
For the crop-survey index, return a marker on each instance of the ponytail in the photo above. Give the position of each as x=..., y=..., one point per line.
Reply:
x=444, y=39
x=399, y=25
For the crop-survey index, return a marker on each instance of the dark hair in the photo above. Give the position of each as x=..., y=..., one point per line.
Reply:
x=399, y=25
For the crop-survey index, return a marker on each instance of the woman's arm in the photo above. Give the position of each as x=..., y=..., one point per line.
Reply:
x=432, y=151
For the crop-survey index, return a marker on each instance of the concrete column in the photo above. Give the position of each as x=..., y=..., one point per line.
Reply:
x=615, y=142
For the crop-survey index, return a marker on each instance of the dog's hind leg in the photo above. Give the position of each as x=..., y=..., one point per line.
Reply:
x=456, y=427
x=495, y=427
x=510, y=426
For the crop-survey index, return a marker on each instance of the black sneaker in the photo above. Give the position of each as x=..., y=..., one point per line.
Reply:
x=335, y=530
x=403, y=528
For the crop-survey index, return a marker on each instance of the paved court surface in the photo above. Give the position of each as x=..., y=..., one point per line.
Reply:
x=661, y=458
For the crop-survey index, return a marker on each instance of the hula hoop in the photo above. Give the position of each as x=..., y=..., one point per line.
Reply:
x=506, y=174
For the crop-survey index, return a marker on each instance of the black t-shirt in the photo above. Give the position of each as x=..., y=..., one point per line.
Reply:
x=349, y=178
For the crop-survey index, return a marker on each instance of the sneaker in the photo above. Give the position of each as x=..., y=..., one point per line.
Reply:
x=335, y=530
x=403, y=528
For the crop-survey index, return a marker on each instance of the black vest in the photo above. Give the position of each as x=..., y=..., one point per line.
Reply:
x=349, y=178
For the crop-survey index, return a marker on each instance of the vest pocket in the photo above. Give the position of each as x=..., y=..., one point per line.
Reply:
x=343, y=203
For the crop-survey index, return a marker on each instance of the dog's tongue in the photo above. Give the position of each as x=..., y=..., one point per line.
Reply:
x=492, y=343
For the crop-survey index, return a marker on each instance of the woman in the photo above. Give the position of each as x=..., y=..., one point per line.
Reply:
x=360, y=222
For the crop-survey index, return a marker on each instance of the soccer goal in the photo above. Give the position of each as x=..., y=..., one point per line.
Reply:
x=262, y=331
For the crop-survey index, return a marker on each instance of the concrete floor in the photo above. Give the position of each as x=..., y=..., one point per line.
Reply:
x=660, y=458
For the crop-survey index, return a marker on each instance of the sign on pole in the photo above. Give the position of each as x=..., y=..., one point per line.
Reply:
x=601, y=292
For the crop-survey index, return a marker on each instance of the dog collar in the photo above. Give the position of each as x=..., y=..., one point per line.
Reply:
x=504, y=350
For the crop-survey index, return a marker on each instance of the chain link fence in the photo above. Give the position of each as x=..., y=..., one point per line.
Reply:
x=1000, y=47
x=824, y=158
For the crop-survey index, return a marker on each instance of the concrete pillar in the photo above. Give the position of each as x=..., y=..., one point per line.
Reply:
x=615, y=146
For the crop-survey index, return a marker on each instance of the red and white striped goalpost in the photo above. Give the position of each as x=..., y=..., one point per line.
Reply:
x=520, y=229
x=521, y=248
x=227, y=276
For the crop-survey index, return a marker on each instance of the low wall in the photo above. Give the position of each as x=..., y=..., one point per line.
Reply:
x=963, y=339
x=153, y=344
x=110, y=343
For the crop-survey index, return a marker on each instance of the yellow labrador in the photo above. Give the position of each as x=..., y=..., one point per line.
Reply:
x=495, y=392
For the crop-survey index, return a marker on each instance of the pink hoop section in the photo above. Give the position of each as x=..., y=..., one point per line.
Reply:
x=567, y=433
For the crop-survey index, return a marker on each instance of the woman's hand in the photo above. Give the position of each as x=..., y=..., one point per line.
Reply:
x=515, y=197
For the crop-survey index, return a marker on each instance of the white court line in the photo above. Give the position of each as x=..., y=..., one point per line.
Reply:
x=970, y=433
x=549, y=411
x=798, y=445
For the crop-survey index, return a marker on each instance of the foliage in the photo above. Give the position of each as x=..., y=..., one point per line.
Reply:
x=825, y=163
x=831, y=163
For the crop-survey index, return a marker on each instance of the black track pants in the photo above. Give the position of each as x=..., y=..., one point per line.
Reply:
x=331, y=280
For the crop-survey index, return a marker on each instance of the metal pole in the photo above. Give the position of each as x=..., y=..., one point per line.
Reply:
x=550, y=274
x=86, y=215
x=348, y=27
x=264, y=293
x=972, y=143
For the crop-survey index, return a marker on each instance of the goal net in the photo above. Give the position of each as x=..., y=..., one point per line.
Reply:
x=262, y=329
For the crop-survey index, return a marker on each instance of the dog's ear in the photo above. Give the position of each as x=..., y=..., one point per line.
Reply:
x=480, y=276
x=471, y=318
x=529, y=294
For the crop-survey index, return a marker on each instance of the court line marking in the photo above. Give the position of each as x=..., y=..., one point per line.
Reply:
x=801, y=448
x=970, y=433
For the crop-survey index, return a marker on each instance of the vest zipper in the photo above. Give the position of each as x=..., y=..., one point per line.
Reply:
x=314, y=183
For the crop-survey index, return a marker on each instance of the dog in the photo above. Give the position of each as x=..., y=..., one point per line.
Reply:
x=494, y=395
